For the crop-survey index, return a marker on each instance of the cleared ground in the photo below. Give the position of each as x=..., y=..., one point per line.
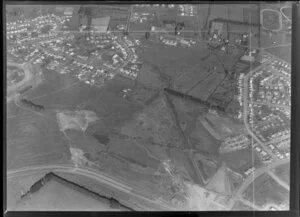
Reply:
x=34, y=139
x=264, y=193
x=239, y=206
x=61, y=195
x=18, y=186
x=283, y=172
x=241, y=160
x=284, y=53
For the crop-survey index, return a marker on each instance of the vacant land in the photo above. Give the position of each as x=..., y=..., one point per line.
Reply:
x=131, y=152
x=203, y=141
x=239, y=206
x=18, y=186
x=61, y=195
x=264, y=193
x=224, y=125
x=62, y=91
x=271, y=19
x=154, y=123
x=181, y=61
x=284, y=53
x=225, y=95
x=151, y=76
x=39, y=140
x=206, y=89
x=183, y=162
x=287, y=12
x=283, y=172
x=14, y=74
x=241, y=160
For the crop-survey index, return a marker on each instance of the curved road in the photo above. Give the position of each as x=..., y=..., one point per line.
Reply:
x=255, y=174
x=98, y=176
x=250, y=179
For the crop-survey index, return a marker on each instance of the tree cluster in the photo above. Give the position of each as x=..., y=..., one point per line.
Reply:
x=28, y=104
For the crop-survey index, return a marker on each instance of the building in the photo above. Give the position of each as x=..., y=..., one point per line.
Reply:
x=100, y=24
x=250, y=56
x=156, y=29
x=68, y=11
x=234, y=143
x=216, y=27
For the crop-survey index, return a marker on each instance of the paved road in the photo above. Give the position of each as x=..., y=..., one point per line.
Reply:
x=96, y=175
x=286, y=17
x=266, y=168
x=128, y=19
x=248, y=203
x=246, y=110
x=279, y=181
x=254, y=175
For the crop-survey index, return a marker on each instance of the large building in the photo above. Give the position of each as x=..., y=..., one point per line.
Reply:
x=68, y=11
x=216, y=27
x=100, y=24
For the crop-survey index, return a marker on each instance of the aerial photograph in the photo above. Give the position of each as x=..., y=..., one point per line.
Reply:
x=148, y=107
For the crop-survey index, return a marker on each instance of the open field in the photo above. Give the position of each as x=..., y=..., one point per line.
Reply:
x=203, y=141
x=223, y=125
x=14, y=74
x=158, y=133
x=85, y=142
x=203, y=91
x=183, y=162
x=235, y=180
x=241, y=160
x=102, y=189
x=132, y=153
x=39, y=140
x=54, y=90
x=239, y=206
x=181, y=60
x=155, y=123
x=63, y=91
x=151, y=76
x=284, y=53
x=190, y=70
x=198, y=137
x=264, y=193
x=207, y=170
x=61, y=195
x=18, y=186
x=12, y=110
x=283, y=172
x=271, y=19
x=225, y=96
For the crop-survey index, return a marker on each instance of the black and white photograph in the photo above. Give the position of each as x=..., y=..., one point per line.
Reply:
x=148, y=107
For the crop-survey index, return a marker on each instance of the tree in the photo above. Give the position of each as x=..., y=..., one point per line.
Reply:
x=147, y=35
x=114, y=203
